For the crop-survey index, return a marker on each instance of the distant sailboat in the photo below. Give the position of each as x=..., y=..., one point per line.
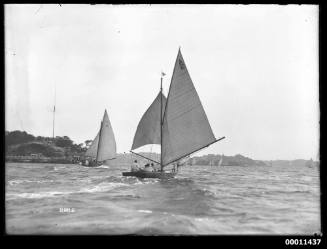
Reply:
x=178, y=123
x=54, y=113
x=310, y=163
x=103, y=146
x=221, y=160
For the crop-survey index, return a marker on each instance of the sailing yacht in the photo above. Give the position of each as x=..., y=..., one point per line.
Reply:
x=103, y=146
x=178, y=123
x=310, y=163
x=221, y=160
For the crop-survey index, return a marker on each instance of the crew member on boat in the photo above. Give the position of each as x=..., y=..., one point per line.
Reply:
x=92, y=162
x=135, y=166
x=174, y=167
x=155, y=167
x=148, y=168
x=178, y=164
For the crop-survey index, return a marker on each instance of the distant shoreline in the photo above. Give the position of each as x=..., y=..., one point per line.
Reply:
x=28, y=159
x=23, y=147
x=195, y=161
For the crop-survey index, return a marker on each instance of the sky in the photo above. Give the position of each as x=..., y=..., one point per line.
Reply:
x=255, y=68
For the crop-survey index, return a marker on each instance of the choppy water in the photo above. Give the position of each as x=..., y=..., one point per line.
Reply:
x=200, y=200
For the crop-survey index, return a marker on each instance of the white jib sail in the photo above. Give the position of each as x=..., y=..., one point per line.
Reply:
x=148, y=129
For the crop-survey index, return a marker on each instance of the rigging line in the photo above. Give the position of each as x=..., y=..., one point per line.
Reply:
x=99, y=142
x=144, y=157
x=151, y=149
x=38, y=10
x=54, y=110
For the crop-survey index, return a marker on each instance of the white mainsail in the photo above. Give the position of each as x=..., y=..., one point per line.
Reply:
x=148, y=129
x=185, y=126
x=103, y=146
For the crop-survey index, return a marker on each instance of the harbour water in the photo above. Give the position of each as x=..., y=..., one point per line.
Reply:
x=71, y=199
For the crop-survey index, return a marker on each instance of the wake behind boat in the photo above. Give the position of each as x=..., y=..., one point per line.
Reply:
x=103, y=146
x=179, y=124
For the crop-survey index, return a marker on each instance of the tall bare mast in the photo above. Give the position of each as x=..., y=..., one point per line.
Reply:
x=162, y=74
x=54, y=112
x=99, y=143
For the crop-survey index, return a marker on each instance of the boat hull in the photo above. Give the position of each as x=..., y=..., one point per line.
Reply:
x=94, y=166
x=91, y=165
x=146, y=174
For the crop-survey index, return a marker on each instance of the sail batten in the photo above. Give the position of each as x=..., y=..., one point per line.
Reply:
x=185, y=126
x=148, y=129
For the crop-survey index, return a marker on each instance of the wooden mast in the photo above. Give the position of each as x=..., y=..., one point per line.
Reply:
x=161, y=122
x=53, y=121
x=96, y=160
x=54, y=111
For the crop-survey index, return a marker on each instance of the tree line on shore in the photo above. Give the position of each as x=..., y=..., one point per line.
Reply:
x=20, y=143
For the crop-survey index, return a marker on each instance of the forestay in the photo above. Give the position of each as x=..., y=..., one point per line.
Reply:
x=185, y=125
